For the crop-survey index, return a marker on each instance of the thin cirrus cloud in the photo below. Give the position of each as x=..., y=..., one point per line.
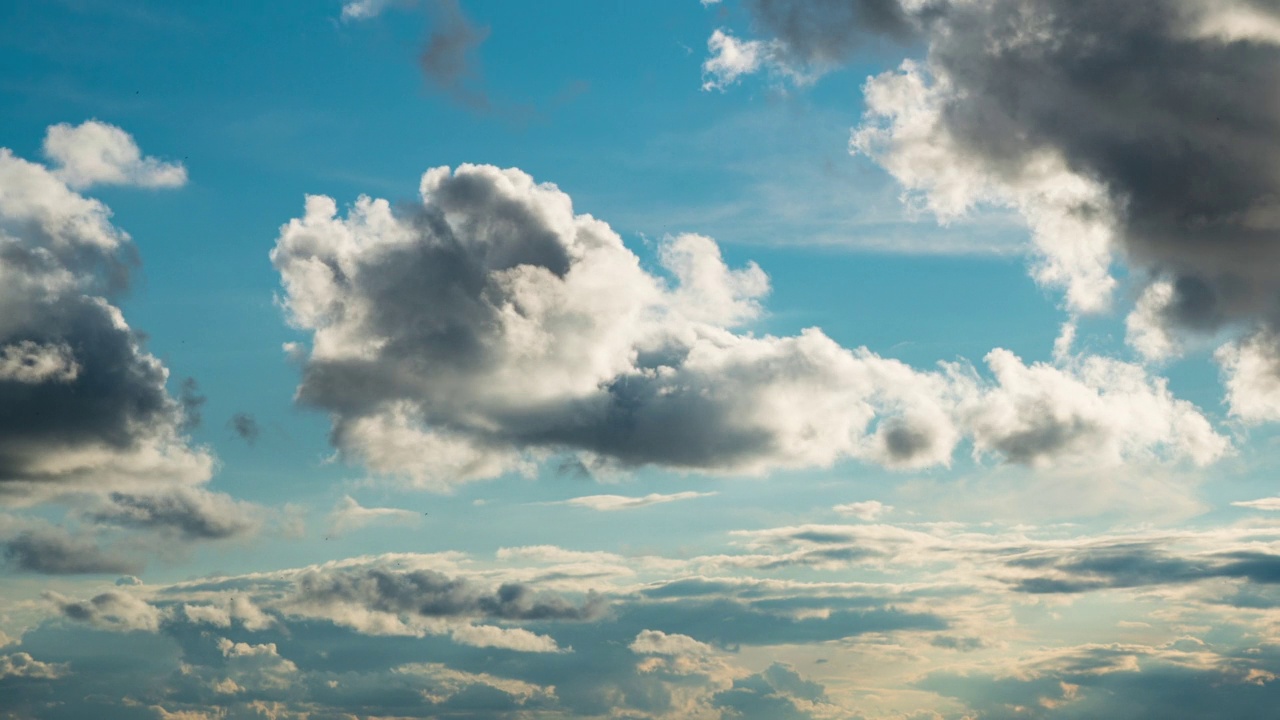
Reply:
x=457, y=339
x=1154, y=146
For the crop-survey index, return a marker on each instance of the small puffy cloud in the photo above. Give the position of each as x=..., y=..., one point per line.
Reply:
x=623, y=502
x=656, y=642
x=95, y=153
x=22, y=665
x=53, y=551
x=111, y=610
x=235, y=608
x=1251, y=372
x=730, y=59
x=492, y=636
x=350, y=515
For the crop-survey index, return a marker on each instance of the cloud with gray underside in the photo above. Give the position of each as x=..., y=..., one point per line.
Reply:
x=1142, y=132
x=456, y=338
x=83, y=406
x=246, y=427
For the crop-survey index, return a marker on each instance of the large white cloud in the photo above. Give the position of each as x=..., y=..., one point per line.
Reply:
x=488, y=326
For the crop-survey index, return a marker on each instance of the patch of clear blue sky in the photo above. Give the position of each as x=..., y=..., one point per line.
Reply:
x=266, y=102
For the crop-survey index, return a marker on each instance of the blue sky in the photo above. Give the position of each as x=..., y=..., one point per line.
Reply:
x=731, y=359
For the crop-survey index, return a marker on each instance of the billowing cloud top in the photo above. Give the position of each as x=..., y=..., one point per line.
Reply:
x=467, y=335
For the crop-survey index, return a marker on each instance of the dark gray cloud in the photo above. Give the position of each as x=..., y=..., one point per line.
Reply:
x=192, y=513
x=432, y=594
x=55, y=552
x=245, y=426
x=1138, y=565
x=822, y=33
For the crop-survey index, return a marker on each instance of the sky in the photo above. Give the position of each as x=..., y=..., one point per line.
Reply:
x=719, y=360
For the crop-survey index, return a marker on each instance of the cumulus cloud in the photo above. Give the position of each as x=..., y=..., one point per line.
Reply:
x=51, y=551
x=22, y=665
x=95, y=153
x=83, y=407
x=489, y=326
x=191, y=513
x=109, y=610
x=623, y=502
x=350, y=515
x=1251, y=372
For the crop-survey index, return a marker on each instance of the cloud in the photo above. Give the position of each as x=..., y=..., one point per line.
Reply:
x=1270, y=503
x=446, y=59
x=1129, y=132
x=83, y=407
x=55, y=552
x=349, y=515
x=191, y=513
x=245, y=426
x=22, y=665
x=868, y=510
x=606, y=503
x=110, y=610
x=489, y=326
x=386, y=601
x=364, y=9
x=95, y=153
x=192, y=402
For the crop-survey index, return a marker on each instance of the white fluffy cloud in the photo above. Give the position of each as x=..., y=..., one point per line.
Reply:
x=490, y=326
x=95, y=153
